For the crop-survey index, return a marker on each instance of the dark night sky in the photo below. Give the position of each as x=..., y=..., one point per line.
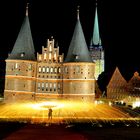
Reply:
x=118, y=21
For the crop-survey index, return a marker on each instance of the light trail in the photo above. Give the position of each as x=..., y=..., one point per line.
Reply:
x=63, y=110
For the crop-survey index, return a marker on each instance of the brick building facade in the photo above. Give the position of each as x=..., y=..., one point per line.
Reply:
x=49, y=75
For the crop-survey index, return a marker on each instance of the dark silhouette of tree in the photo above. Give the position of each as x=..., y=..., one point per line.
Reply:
x=103, y=80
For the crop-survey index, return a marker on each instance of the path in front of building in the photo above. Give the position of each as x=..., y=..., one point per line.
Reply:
x=42, y=132
x=68, y=132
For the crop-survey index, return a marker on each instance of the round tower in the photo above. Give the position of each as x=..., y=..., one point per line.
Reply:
x=78, y=68
x=21, y=66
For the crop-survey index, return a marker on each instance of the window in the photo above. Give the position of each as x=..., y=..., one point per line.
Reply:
x=66, y=69
x=76, y=57
x=39, y=69
x=54, y=86
x=16, y=65
x=50, y=86
x=77, y=69
x=45, y=56
x=59, y=70
x=46, y=86
x=47, y=69
x=51, y=69
x=50, y=48
x=39, y=57
x=55, y=55
x=58, y=86
x=60, y=59
x=43, y=70
x=30, y=67
x=42, y=86
x=50, y=55
x=22, y=54
x=38, y=86
x=55, y=70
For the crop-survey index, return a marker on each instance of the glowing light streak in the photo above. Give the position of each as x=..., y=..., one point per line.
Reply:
x=63, y=110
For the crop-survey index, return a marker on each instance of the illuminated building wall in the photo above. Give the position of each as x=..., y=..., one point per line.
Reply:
x=97, y=55
x=49, y=70
x=78, y=80
x=20, y=77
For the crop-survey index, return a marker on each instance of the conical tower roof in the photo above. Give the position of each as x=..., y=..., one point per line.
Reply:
x=78, y=51
x=24, y=48
x=96, y=40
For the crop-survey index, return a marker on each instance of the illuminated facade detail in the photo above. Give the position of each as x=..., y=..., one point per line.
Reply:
x=96, y=49
x=117, y=87
x=48, y=76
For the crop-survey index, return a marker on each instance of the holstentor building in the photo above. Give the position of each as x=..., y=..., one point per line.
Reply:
x=49, y=75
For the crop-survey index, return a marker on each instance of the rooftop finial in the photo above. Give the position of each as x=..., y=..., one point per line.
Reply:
x=78, y=11
x=96, y=3
x=27, y=9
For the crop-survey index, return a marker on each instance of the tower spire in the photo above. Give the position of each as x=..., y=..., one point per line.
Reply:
x=27, y=9
x=78, y=7
x=96, y=35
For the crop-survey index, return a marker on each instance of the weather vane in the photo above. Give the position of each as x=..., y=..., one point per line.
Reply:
x=27, y=9
x=78, y=7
